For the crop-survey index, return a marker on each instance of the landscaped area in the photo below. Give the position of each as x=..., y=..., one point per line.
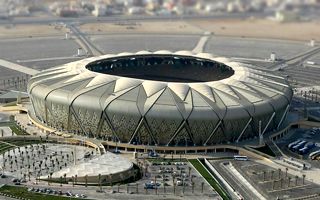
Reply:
x=202, y=170
x=168, y=161
x=24, y=193
x=14, y=127
x=7, y=145
x=17, y=130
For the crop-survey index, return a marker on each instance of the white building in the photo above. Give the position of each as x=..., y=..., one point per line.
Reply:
x=99, y=10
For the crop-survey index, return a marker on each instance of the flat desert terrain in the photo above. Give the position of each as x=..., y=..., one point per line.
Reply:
x=261, y=28
x=20, y=31
x=148, y=27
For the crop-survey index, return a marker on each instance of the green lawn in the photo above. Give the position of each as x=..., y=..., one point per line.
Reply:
x=8, y=123
x=14, y=127
x=17, y=130
x=209, y=178
x=23, y=192
x=168, y=160
x=23, y=143
x=5, y=147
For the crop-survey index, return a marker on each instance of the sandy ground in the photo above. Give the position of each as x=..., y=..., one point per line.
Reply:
x=30, y=31
x=255, y=28
x=167, y=27
x=260, y=28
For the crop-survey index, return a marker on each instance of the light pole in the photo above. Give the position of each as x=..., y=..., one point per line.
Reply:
x=202, y=185
x=286, y=171
x=100, y=187
x=137, y=188
x=86, y=180
x=273, y=184
x=303, y=178
x=289, y=180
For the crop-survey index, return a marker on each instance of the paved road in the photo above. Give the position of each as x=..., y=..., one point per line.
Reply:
x=254, y=49
x=201, y=44
x=303, y=75
x=90, y=19
x=85, y=42
x=296, y=60
x=245, y=193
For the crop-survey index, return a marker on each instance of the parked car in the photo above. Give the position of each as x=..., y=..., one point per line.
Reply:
x=14, y=180
x=153, y=154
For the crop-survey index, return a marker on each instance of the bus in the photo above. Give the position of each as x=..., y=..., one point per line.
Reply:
x=304, y=150
x=299, y=145
x=242, y=158
x=310, y=145
x=293, y=143
x=313, y=154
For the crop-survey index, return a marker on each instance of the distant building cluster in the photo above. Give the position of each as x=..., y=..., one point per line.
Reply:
x=13, y=8
x=75, y=8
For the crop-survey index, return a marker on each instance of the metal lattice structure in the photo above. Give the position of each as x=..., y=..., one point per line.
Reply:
x=82, y=97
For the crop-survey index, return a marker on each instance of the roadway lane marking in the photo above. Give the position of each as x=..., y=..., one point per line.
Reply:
x=252, y=59
x=19, y=68
x=47, y=59
x=312, y=66
x=201, y=44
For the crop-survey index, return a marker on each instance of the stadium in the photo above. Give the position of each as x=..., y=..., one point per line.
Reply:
x=160, y=98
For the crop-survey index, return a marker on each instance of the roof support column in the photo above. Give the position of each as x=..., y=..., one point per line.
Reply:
x=78, y=120
x=177, y=132
x=213, y=132
x=271, y=118
x=283, y=116
x=244, y=129
x=110, y=125
x=136, y=131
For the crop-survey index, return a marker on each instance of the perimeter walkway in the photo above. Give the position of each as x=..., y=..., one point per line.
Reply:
x=244, y=182
x=199, y=48
x=19, y=68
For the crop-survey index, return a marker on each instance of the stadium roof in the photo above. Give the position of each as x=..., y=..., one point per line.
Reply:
x=247, y=86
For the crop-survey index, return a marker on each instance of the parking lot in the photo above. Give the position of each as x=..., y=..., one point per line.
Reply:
x=270, y=182
x=301, y=134
x=172, y=177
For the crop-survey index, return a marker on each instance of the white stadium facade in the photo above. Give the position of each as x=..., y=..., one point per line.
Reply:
x=160, y=98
